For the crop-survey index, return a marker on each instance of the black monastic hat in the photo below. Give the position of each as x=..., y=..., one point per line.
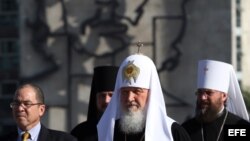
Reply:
x=103, y=80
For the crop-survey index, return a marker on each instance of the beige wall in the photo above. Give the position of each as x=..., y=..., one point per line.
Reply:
x=245, y=44
x=202, y=31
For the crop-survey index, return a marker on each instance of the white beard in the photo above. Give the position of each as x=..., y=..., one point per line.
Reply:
x=133, y=122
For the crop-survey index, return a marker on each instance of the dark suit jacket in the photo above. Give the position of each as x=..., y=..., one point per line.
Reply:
x=44, y=135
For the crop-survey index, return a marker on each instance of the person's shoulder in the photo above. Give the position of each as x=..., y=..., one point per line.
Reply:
x=176, y=127
x=189, y=122
x=179, y=133
x=80, y=126
x=12, y=135
x=7, y=137
x=55, y=135
x=84, y=129
x=61, y=135
x=235, y=119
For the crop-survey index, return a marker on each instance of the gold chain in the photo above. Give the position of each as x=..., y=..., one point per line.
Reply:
x=222, y=125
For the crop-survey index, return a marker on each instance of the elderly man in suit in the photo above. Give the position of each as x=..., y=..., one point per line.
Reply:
x=27, y=108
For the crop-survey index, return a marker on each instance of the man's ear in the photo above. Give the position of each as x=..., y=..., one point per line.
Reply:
x=42, y=109
x=224, y=96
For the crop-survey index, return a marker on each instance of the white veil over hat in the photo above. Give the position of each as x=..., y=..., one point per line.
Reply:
x=221, y=76
x=158, y=124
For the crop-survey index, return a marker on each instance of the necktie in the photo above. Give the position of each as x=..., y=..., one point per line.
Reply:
x=25, y=136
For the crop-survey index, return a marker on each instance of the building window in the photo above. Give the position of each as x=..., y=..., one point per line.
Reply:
x=238, y=42
x=239, y=53
x=238, y=13
x=8, y=55
x=8, y=12
x=8, y=5
x=7, y=88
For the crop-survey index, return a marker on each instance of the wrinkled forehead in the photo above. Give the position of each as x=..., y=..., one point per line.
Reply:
x=27, y=93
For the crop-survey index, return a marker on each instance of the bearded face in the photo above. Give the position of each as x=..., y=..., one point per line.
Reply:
x=133, y=105
x=209, y=104
x=133, y=121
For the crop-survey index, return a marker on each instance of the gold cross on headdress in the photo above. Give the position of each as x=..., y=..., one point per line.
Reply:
x=139, y=45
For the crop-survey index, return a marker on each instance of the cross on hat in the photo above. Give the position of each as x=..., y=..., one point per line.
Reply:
x=139, y=45
x=205, y=69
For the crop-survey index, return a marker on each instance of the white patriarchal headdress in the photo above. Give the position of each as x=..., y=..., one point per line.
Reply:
x=138, y=71
x=221, y=76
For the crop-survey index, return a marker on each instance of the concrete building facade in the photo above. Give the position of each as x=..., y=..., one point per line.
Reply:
x=61, y=41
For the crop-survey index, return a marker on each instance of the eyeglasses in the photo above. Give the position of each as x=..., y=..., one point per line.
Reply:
x=205, y=92
x=24, y=104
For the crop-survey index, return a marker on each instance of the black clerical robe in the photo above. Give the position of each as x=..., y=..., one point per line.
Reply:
x=211, y=130
x=86, y=131
x=178, y=133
